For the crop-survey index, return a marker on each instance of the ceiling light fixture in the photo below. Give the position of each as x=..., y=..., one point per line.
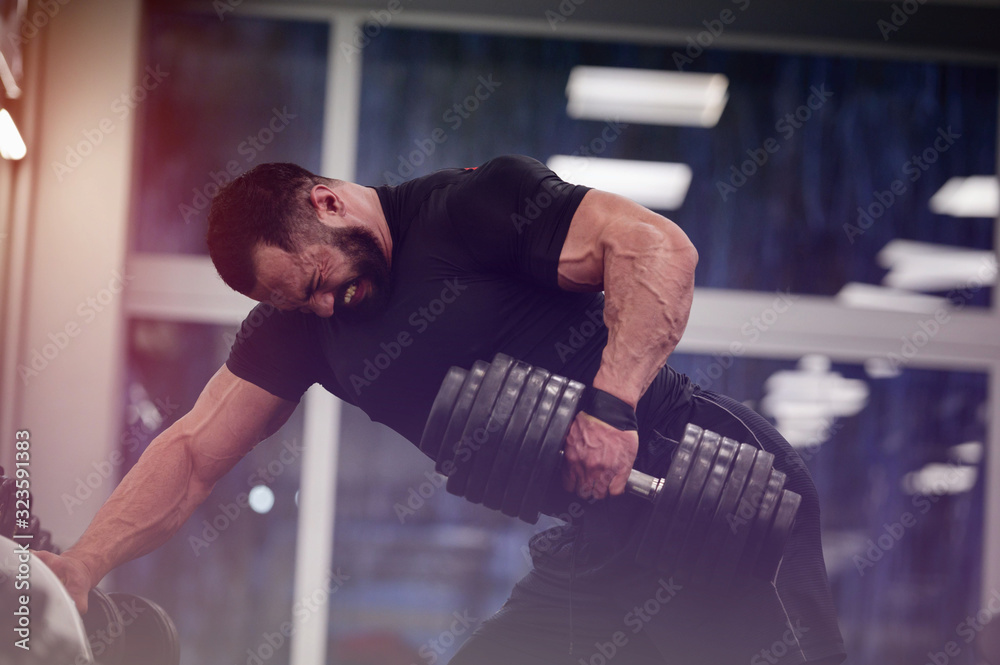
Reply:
x=656, y=185
x=646, y=96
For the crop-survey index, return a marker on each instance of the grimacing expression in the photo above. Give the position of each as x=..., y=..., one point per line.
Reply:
x=343, y=274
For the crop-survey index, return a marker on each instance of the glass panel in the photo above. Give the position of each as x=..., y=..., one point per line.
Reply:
x=419, y=558
x=901, y=484
x=840, y=132
x=236, y=93
x=226, y=578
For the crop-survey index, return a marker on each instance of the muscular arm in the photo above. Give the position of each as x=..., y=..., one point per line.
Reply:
x=172, y=477
x=645, y=265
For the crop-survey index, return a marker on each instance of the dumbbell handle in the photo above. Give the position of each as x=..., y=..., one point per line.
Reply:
x=639, y=484
x=643, y=485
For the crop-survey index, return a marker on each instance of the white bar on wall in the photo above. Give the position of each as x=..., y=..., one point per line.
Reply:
x=783, y=325
x=991, y=497
x=314, y=540
x=342, y=110
x=182, y=287
x=314, y=551
x=991, y=494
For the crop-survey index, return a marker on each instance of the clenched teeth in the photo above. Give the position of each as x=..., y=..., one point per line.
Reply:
x=350, y=293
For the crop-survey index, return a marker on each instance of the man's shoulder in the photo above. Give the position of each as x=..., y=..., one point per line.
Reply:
x=498, y=170
x=506, y=170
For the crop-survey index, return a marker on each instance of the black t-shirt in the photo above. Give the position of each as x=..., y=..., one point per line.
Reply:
x=474, y=272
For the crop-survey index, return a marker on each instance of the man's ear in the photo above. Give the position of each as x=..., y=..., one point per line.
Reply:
x=325, y=200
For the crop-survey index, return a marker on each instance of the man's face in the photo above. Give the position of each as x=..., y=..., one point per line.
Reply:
x=346, y=275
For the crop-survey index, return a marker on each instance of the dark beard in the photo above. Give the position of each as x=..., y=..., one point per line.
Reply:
x=368, y=263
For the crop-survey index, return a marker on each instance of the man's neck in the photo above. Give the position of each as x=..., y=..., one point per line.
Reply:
x=369, y=208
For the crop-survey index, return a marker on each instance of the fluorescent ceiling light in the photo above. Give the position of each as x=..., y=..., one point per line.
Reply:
x=871, y=296
x=936, y=479
x=11, y=144
x=646, y=96
x=976, y=196
x=970, y=452
x=804, y=402
x=656, y=185
x=881, y=368
x=922, y=266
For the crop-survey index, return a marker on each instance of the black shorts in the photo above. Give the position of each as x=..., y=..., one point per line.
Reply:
x=586, y=602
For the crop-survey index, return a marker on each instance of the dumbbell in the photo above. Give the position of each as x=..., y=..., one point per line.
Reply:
x=124, y=629
x=497, y=432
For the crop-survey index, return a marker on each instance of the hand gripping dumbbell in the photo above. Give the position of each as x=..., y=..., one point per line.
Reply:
x=497, y=432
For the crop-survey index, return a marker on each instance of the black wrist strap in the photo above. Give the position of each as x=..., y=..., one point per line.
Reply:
x=609, y=409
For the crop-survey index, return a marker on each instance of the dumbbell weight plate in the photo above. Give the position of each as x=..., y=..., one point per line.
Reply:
x=722, y=522
x=474, y=433
x=498, y=420
x=549, y=455
x=513, y=437
x=520, y=475
x=777, y=537
x=741, y=520
x=683, y=516
x=150, y=636
x=762, y=524
x=459, y=416
x=105, y=627
x=437, y=420
x=701, y=519
x=665, y=501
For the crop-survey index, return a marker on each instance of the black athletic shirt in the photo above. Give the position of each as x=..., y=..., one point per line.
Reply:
x=474, y=272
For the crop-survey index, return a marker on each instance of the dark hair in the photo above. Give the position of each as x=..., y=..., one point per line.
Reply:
x=267, y=205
